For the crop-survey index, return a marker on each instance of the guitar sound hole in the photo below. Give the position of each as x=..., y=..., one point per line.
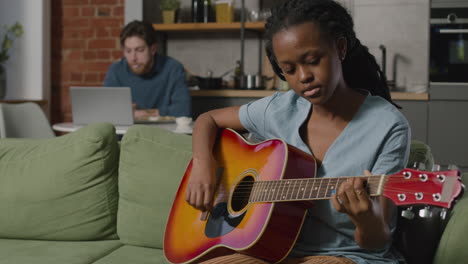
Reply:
x=241, y=195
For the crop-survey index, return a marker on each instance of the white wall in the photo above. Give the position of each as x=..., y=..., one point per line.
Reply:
x=28, y=69
x=133, y=10
x=403, y=27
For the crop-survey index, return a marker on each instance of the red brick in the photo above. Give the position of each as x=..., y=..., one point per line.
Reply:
x=104, y=55
x=75, y=23
x=104, y=2
x=106, y=22
x=78, y=33
x=71, y=11
x=104, y=11
x=115, y=32
x=89, y=55
x=76, y=77
x=74, y=55
x=69, y=67
x=102, y=44
x=88, y=11
x=97, y=66
x=73, y=44
x=118, y=11
x=102, y=33
x=75, y=2
x=91, y=77
x=102, y=76
x=117, y=54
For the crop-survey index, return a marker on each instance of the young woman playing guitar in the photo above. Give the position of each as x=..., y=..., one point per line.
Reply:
x=339, y=111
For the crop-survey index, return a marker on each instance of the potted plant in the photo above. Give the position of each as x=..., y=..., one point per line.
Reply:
x=9, y=34
x=169, y=8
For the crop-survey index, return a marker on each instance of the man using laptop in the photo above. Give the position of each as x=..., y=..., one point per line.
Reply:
x=157, y=82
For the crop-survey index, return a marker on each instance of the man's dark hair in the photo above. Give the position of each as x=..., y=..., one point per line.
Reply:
x=360, y=68
x=141, y=29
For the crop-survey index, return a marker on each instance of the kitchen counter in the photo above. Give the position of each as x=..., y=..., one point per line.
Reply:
x=263, y=93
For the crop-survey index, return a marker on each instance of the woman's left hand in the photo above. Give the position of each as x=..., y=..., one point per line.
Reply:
x=353, y=199
x=365, y=212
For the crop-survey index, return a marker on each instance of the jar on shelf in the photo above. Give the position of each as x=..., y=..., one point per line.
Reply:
x=224, y=11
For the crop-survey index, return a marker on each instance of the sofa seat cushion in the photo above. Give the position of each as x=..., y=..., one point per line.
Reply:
x=134, y=255
x=453, y=246
x=64, y=188
x=54, y=252
x=152, y=163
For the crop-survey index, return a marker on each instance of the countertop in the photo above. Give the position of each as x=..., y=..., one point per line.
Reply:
x=263, y=93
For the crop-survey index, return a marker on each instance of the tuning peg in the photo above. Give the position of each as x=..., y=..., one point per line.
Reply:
x=425, y=212
x=419, y=165
x=436, y=167
x=443, y=213
x=453, y=167
x=408, y=213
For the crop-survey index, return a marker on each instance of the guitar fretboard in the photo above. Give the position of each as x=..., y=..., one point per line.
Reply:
x=308, y=189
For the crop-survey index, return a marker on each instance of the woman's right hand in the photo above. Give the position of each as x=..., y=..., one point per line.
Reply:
x=201, y=184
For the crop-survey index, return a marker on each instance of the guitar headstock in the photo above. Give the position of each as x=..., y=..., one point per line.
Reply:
x=437, y=188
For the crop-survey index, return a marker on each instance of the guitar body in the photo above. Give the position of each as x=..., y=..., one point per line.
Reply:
x=234, y=223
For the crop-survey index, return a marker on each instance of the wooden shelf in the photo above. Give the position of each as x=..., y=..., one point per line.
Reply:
x=180, y=27
x=232, y=93
x=20, y=101
x=263, y=93
x=410, y=96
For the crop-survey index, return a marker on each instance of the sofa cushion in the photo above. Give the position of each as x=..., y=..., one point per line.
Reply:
x=134, y=255
x=452, y=245
x=64, y=188
x=152, y=163
x=420, y=154
x=54, y=252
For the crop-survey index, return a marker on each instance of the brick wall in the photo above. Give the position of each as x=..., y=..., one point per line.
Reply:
x=85, y=42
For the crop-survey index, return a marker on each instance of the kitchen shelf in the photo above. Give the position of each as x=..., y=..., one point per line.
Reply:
x=184, y=27
x=232, y=93
x=41, y=103
x=263, y=93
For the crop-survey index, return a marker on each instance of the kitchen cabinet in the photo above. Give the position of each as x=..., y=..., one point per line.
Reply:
x=414, y=105
x=416, y=112
x=447, y=132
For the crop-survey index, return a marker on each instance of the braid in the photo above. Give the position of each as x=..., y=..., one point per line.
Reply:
x=360, y=69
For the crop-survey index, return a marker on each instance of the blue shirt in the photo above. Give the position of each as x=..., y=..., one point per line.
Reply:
x=376, y=139
x=163, y=87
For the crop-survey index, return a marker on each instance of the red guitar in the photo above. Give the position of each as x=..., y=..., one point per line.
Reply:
x=256, y=200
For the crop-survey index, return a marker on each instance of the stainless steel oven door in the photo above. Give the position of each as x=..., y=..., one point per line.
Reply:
x=449, y=46
x=449, y=53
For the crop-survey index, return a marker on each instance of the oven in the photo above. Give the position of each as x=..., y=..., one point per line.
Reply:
x=449, y=45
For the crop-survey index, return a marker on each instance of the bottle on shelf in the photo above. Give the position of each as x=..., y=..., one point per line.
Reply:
x=201, y=11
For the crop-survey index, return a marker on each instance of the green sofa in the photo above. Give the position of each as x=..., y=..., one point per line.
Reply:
x=85, y=197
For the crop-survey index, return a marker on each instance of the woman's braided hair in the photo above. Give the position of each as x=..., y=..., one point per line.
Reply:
x=360, y=68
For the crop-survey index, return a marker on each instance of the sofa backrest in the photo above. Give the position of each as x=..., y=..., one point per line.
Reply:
x=452, y=246
x=152, y=163
x=64, y=188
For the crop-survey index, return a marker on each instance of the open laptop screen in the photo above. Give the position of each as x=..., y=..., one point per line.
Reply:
x=101, y=104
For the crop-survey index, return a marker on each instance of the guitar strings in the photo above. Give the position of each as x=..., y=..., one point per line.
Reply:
x=247, y=189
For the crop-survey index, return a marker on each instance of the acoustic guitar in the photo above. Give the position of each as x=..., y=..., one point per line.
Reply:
x=262, y=196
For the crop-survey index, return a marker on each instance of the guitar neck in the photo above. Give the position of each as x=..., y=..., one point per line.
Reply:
x=309, y=189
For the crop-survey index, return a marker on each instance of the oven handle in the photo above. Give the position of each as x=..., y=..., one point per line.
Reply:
x=453, y=31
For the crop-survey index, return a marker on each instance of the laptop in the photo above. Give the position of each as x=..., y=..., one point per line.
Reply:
x=101, y=104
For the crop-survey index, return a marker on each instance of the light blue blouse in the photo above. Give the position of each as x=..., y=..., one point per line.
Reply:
x=376, y=139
